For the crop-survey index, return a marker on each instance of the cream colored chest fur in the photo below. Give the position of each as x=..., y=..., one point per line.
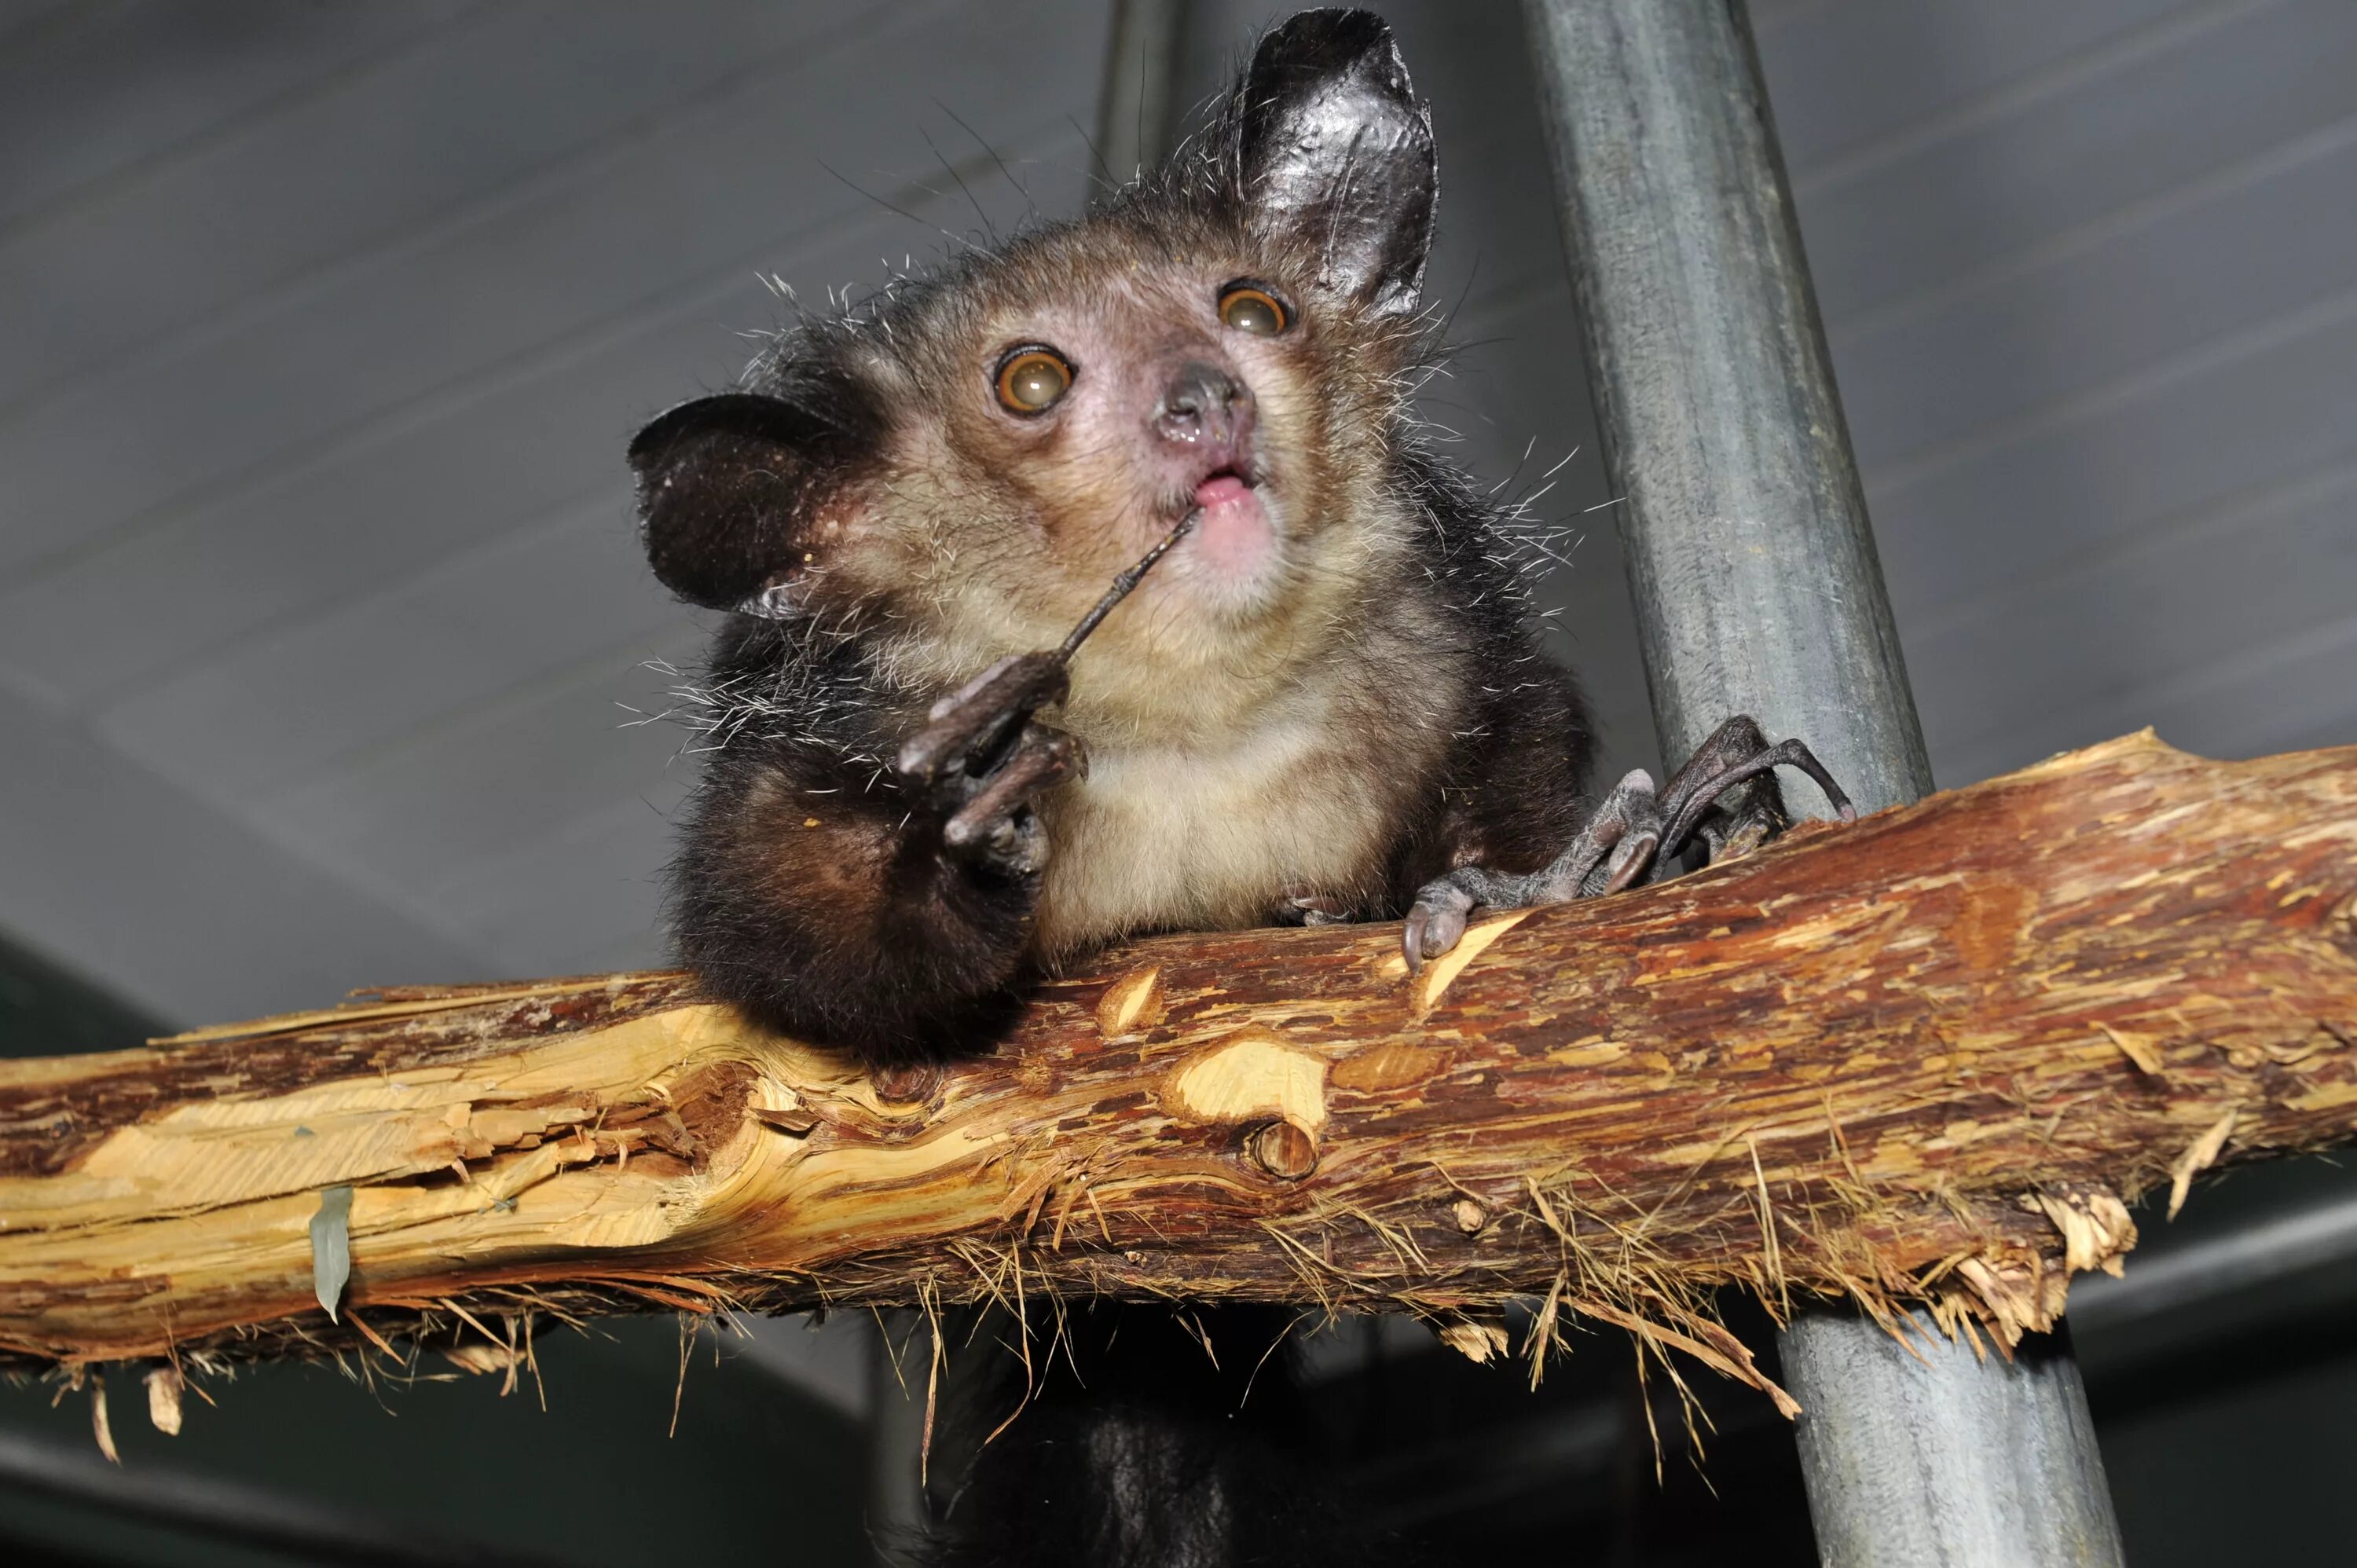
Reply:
x=1191, y=836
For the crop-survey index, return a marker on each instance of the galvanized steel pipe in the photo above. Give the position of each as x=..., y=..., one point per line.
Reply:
x=1757, y=591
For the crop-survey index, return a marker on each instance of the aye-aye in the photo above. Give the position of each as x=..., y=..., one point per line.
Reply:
x=1323, y=703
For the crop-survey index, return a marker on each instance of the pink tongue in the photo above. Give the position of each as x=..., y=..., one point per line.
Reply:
x=1219, y=490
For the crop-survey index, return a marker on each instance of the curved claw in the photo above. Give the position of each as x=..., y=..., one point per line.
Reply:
x=1631, y=859
x=1715, y=768
x=1433, y=928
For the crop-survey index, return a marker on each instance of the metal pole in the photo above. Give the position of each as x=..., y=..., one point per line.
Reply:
x=1134, y=115
x=1757, y=591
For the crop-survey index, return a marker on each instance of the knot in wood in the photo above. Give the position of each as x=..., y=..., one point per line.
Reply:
x=910, y=1083
x=1283, y=1150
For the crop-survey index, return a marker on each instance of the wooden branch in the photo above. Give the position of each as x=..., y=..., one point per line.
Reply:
x=1927, y=1057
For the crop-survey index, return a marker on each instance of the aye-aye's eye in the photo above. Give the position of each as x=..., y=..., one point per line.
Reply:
x=1248, y=307
x=1032, y=381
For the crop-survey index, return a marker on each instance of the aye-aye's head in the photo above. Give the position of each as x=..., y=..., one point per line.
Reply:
x=969, y=457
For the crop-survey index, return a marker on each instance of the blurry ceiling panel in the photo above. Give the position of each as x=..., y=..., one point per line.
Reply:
x=491, y=108
x=2156, y=108
x=1850, y=74
x=97, y=98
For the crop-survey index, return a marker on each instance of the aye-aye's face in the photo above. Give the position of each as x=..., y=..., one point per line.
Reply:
x=972, y=458
x=1059, y=416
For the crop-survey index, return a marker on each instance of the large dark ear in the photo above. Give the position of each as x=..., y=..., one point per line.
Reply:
x=728, y=487
x=1336, y=154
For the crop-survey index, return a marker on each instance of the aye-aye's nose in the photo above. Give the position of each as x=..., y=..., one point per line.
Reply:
x=1204, y=406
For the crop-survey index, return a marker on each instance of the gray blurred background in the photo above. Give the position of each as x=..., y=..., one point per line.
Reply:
x=323, y=326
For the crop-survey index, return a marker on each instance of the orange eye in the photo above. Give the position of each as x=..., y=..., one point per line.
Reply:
x=1032, y=381
x=1248, y=307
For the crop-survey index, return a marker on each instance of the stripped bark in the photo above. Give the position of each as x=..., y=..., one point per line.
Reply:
x=1928, y=1057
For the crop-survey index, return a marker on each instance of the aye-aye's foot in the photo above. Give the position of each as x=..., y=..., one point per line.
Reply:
x=981, y=759
x=1726, y=796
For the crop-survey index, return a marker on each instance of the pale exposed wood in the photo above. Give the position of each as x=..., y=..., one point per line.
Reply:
x=1924, y=1057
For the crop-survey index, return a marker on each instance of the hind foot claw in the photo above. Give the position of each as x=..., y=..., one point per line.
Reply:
x=1724, y=797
